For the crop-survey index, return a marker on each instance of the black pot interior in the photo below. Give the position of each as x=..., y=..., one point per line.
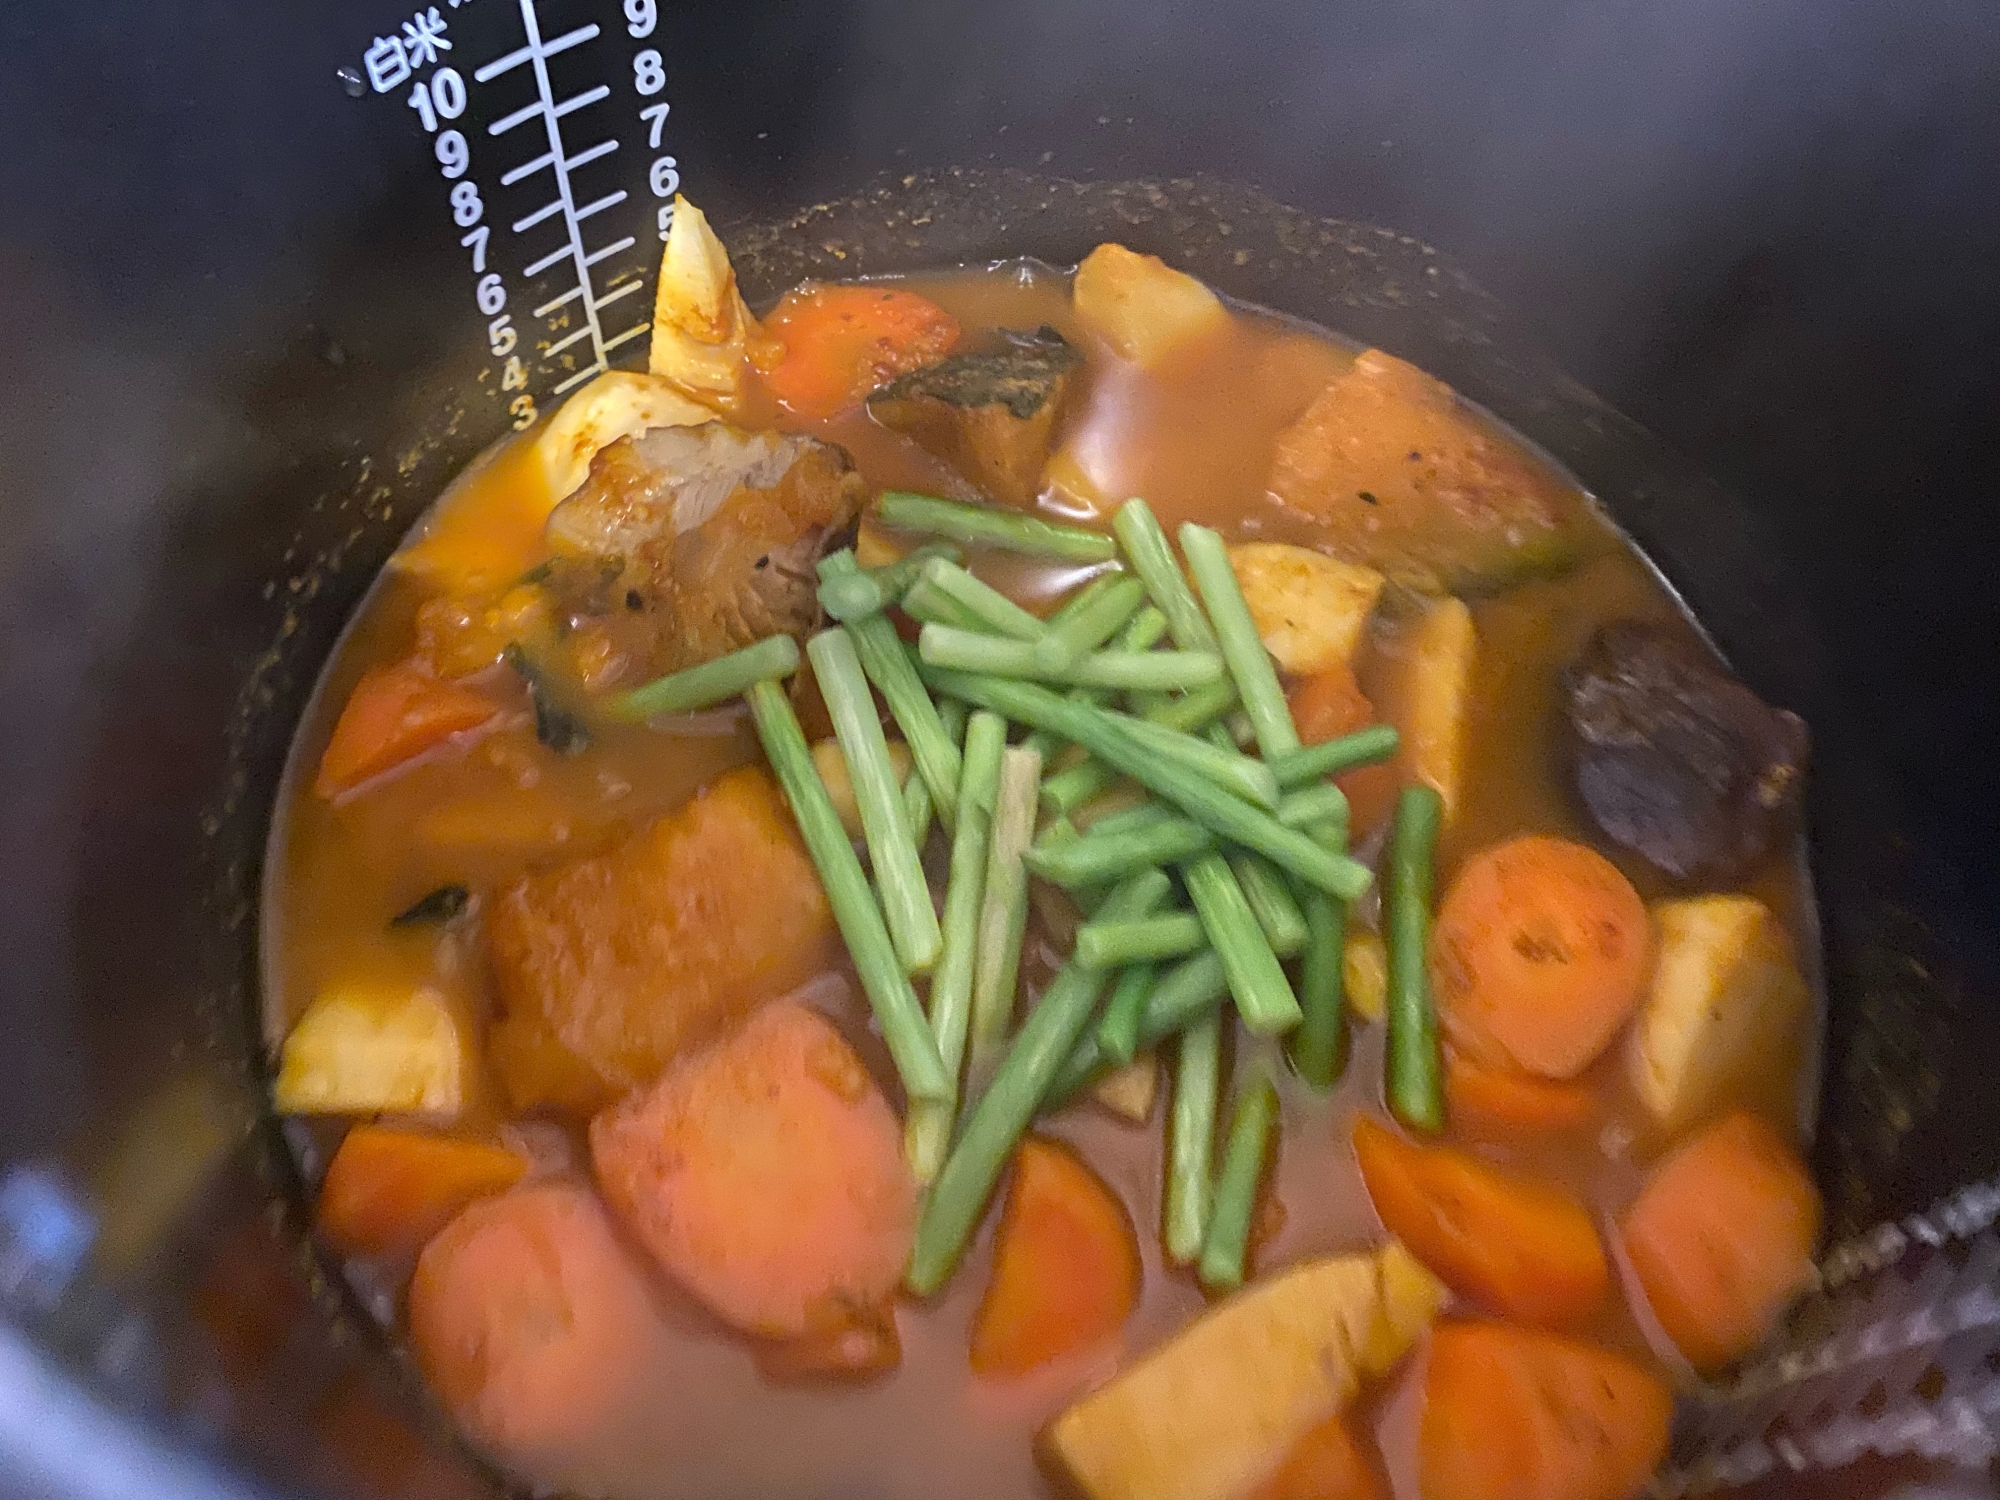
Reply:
x=179, y=570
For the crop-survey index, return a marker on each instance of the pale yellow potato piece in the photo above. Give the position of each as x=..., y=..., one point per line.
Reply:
x=366, y=1047
x=1364, y=975
x=1725, y=990
x=616, y=404
x=1141, y=306
x=1434, y=698
x=1128, y=1092
x=1205, y=1415
x=1309, y=610
x=832, y=767
x=701, y=328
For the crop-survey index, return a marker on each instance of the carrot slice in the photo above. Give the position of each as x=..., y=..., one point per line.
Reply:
x=395, y=713
x=387, y=1191
x=1538, y=955
x=1327, y=705
x=1721, y=1238
x=1327, y=1463
x=1065, y=1266
x=841, y=342
x=1492, y=1102
x=1514, y=1414
x=529, y=1318
x=767, y=1176
x=1521, y=1248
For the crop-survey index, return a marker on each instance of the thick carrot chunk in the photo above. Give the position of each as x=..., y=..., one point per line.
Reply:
x=1495, y=1102
x=393, y=714
x=529, y=1318
x=1538, y=956
x=1065, y=1267
x=841, y=342
x=1721, y=1238
x=767, y=1176
x=1513, y=1414
x=387, y=1191
x=1327, y=1463
x=1327, y=705
x=1520, y=1248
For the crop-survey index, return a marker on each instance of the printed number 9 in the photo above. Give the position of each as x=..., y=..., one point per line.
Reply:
x=665, y=179
x=452, y=154
x=649, y=74
x=492, y=295
x=466, y=209
x=640, y=17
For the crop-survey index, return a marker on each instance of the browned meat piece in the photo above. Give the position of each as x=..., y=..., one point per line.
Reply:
x=1677, y=760
x=607, y=968
x=713, y=534
x=990, y=415
x=1403, y=478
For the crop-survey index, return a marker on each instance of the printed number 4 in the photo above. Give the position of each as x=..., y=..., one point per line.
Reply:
x=515, y=376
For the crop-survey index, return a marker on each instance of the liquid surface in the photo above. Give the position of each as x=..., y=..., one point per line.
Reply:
x=1196, y=439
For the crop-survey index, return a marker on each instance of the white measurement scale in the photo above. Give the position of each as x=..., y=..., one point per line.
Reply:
x=562, y=221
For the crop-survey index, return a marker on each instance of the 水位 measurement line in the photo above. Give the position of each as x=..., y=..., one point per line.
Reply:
x=520, y=55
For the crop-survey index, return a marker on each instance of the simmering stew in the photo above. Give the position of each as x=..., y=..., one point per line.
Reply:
x=1024, y=881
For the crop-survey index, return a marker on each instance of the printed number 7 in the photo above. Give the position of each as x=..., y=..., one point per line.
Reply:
x=656, y=116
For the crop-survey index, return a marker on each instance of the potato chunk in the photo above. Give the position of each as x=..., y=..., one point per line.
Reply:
x=1725, y=990
x=1141, y=306
x=363, y=1048
x=1310, y=610
x=1205, y=1415
x=1429, y=699
x=1128, y=1092
x=832, y=768
x=607, y=968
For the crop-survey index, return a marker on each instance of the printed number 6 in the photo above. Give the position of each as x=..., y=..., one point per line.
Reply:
x=492, y=295
x=649, y=74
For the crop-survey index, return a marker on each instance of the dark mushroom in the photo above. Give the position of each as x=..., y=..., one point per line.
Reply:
x=1675, y=759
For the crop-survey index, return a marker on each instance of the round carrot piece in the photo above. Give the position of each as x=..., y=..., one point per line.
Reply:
x=1721, y=1238
x=1491, y=1102
x=1065, y=1265
x=766, y=1175
x=1521, y=1248
x=1327, y=1463
x=841, y=342
x=1327, y=705
x=529, y=1318
x=1516, y=1414
x=394, y=714
x=1538, y=956
x=387, y=1191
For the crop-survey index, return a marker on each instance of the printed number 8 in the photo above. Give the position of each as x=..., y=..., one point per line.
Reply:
x=640, y=17
x=649, y=74
x=466, y=208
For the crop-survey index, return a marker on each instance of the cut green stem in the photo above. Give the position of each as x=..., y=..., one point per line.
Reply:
x=983, y=526
x=1414, y=1084
x=972, y=651
x=1195, y=710
x=1325, y=803
x=1257, y=980
x=1249, y=779
x=1191, y=989
x=1225, y=1246
x=710, y=683
x=892, y=851
x=1102, y=944
x=1003, y=911
x=1249, y=663
x=1152, y=557
x=957, y=1199
x=1271, y=902
x=997, y=614
x=1118, y=1027
x=1102, y=855
x=1191, y=1140
x=1364, y=747
x=1101, y=610
x=860, y=920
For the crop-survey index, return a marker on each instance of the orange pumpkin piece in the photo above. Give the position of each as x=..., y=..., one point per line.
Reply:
x=1721, y=1238
x=529, y=1319
x=387, y=1191
x=610, y=967
x=1327, y=705
x=1065, y=1265
x=1516, y=1414
x=1538, y=956
x=1327, y=1463
x=766, y=1175
x=394, y=714
x=841, y=342
x=1520, y=1248
x=1493, y=1102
